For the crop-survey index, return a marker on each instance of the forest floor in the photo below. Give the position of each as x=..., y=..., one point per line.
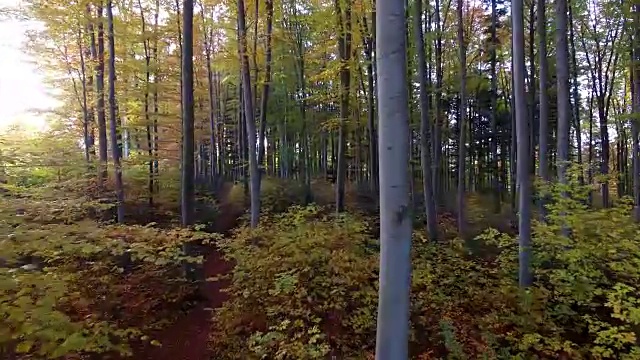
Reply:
x=188, y=337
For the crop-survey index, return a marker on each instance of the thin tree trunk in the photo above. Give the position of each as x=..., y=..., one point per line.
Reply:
x=249, y=116
x=495, y=185
x=102, y=122
x=208, y=39
x=115, y=139
x=369, y=44
x=187, y=186
x=425, y=134
x=576, y=94
x=86, y=120
x=523, y=156
x=90, y=55
x=438, y=173
x=532, y=89
x=462, y=116
x=543, y=121
x=344, y=46
x=636, y=112
x=562, y=75
x=156, y=80
x=147, y=58
x=264, y=99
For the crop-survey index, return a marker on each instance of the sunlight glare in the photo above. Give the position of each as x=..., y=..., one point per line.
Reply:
x=22, y=86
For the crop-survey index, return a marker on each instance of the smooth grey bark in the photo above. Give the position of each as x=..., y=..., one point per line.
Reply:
x=115, y=141
x=523, y=156
x=576, y=93
x=264, y=99
x=562, y=76
x=532, y=90
x=100, y=106
x=249, y=117
x=208, y=44
x=147, y=117
x=462, y=118
x=636, y=114
x=86, y=120
x=513, y=146
x=543, y=121
x=438, y=173
x=591, y=152
x=392, y=340
x=369, y=44
x=156, y=110
x=187, y=184
x=90, y=55
x=425, y=133
x=495, y=184
x=344, y=49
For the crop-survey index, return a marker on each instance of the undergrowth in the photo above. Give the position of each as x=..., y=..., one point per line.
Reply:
x=305, y=285
x=70, y=285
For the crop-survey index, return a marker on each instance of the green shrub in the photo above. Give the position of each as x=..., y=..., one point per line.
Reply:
x=304, y=286
x=276, y=195
x=583, y=303
x=73, y=297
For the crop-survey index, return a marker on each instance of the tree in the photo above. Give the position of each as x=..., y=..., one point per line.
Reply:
x=636, y=112
x=395, y=223
x=425, y=133
x=543, y=168
x=187, y=161
x=562, y=76
x=115, y=139
x=102, y=123
x=462, y=120
x=344, y=52
x=494, y=111
x=249, y=115
x=523, y=156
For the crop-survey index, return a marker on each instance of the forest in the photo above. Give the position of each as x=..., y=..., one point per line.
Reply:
x=313, y=179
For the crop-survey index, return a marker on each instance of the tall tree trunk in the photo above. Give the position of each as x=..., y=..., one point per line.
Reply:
x=187, y=185
x=156, y=80
x=462, y=116
x=264, y=99
x=395, y=223
x=90, y=55
x=523, y=156
x=344, y=47
x=208, y=39
x=543, y=121
x=147, y=117
x=425, y=133
x=576, y=94
x=115, y=138
x=438, y=173
x=495, y=185
x=102, y=122
x=532, y=89
x=254, y=171
x=513, y=183
x=636, y=112
x=369, y=44
x=562, y=75
x=86, y=120
x=591, y=155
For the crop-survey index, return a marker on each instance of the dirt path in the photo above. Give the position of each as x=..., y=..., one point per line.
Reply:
x=188, y=337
